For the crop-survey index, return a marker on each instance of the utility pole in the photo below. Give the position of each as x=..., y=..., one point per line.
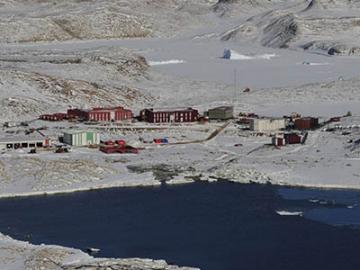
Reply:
x=234, y=86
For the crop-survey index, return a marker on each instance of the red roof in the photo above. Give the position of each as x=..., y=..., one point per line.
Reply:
x=108, y=108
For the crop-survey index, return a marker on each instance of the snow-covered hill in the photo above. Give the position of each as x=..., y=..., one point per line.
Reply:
x=56, y=20
x=38, y=81
x=317, y=25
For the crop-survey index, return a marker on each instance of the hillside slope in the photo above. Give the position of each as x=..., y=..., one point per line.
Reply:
x=317, y=25
x=55, y=20
x=39, y=81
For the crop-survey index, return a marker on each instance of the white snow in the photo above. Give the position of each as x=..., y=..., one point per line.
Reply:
x=233, y=55
x=166, y=62
x=315, y=64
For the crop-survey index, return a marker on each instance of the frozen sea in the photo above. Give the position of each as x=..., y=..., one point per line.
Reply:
x=209, y=225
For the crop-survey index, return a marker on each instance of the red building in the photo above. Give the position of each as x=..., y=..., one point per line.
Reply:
x=53, y=117
x=101, y=114
x=306, y=123
x=169, y=115
x=292, y=138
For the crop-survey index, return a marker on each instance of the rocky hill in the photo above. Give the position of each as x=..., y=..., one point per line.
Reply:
x=56, y=20
x=38, y=78
x=327, y=26
x=38, y=81
x=236, y=7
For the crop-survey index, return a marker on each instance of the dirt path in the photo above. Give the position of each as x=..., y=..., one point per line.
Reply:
x=210, y=137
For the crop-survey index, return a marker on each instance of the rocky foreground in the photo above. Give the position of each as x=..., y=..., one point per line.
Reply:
x=24, y=256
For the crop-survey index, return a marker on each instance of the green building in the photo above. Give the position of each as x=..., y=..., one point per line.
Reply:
x=81, y=138
x=221, y=113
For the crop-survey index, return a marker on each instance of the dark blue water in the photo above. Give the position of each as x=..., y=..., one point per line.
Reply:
x=325, y=205
x=218, y=226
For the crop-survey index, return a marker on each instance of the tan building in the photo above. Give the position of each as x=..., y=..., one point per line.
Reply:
x=267, y=124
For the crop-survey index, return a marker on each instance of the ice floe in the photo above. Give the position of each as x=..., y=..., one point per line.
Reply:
x=289, y=213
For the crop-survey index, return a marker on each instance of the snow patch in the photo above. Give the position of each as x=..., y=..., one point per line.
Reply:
x=233, y=55
x=167, y=62
x=315, y=64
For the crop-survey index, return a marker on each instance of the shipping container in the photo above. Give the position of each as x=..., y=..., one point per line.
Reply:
x=292, y=138
x=306, y=123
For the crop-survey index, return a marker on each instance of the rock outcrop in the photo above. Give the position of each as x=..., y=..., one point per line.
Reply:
x=24, y=256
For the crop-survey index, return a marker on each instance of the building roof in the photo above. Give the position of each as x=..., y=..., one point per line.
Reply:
x=306, y=118
x=109, y=109
x=223, y=108
x=101, y=109
x=268, y=119
x=72, y=132
x=178, y=109
x=19, y=139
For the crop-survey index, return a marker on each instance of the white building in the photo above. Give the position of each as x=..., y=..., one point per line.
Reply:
x=81, y=138
x=267, y=124
x=13, y=143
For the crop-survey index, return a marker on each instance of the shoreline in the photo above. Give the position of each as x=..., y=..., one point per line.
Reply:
x=171, y=183
x=66, y=191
